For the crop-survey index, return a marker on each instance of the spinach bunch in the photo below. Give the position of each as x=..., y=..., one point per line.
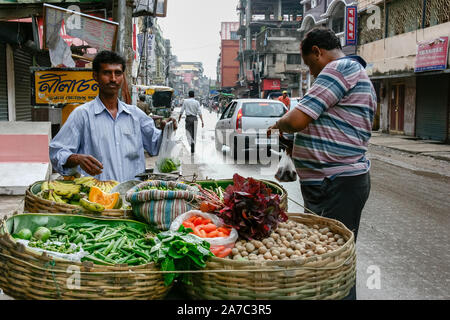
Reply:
x=179, y=250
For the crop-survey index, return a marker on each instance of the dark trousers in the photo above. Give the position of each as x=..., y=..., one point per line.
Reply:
x=191, y=130
x=342, y=199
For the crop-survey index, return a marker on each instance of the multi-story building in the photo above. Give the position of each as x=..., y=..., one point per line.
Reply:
x=412, y=101
x=229, y=49
x=189, y=76
x=255, y=16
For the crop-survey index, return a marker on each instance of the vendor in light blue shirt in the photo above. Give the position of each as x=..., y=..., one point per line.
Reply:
x=106, y=137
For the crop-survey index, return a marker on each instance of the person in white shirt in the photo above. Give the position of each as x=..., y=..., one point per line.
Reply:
x=192, y=109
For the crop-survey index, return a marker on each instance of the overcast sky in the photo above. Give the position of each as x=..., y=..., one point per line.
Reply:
x=193, y=28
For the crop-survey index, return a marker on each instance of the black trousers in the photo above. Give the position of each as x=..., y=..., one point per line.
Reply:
x=342, y=199
x=191, y=130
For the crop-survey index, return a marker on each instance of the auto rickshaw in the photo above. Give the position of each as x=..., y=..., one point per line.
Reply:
x=161, y=99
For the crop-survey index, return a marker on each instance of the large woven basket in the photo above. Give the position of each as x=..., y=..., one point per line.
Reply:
x=35, y=204
x=274, y=186
x=25, y=274
x=328, y=276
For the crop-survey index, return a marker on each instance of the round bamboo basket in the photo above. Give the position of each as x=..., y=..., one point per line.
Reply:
x=327, y=276
x=25, y=274
x=35, y=204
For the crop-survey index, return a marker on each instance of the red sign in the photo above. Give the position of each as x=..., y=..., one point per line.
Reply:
x=432, y=55
x=271, y=84
x=350, y=25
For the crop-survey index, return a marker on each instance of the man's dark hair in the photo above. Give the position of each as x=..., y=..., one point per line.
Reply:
x=323, y=38
x=107, y=57
x=142, y=97
x=191, y=94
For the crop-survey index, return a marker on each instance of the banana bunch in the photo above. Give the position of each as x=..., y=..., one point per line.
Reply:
x=88, y=182
x=51, y=195
x=66, y=190
x=106, y=186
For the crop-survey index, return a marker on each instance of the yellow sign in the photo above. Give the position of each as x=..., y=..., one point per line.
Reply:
x=53, y=86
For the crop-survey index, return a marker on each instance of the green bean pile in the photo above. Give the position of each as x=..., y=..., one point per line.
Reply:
x=106, y=245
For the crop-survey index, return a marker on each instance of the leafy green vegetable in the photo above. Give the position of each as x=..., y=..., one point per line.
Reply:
x=179, y=250
x=168, y=165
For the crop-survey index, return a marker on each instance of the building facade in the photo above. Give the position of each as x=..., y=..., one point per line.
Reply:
x=255, y=71
x=229, y=50
x=412, y=102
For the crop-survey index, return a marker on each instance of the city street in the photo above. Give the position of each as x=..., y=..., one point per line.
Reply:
x=404, y=227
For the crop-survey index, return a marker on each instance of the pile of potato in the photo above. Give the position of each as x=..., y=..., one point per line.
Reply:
x=291, y=240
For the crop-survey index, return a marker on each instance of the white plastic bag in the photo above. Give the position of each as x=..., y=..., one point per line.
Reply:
x=227, y=242
x=286, y=169
x=170, y=149
x=74, y=257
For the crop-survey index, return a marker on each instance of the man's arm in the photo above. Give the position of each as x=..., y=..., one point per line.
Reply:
x=293, y=121
x=64, y=147
x=328, y=89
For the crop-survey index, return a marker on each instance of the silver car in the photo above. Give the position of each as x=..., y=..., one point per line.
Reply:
x=242, y=127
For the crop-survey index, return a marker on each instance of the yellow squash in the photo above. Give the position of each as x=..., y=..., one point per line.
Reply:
x=108, y=200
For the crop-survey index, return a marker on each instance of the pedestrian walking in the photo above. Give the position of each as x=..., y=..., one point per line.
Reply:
x=332, y=125
x=193, y=110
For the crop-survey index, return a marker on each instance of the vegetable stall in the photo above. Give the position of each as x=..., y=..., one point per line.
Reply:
x=220, y=239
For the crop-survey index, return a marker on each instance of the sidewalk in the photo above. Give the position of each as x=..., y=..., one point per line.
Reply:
x=412, y=145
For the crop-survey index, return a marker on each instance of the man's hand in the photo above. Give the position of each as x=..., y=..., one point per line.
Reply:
x=164, y=123
x=86, y=162
x=271, y=129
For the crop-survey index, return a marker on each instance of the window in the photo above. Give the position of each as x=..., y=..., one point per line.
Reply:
x=274, y=58
x=231, y=111
x=263, y=109
x=294, y=59
x=234, y=35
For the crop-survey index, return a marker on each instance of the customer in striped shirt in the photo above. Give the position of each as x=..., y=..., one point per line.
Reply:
x=332, y=125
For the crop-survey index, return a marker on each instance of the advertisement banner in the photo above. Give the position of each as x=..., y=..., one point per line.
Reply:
x=351, y=20
x=432, y=55
x=56, y=85
x=271, y=84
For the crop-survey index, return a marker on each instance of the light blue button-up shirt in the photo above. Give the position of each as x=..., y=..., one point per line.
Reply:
x=117, y=143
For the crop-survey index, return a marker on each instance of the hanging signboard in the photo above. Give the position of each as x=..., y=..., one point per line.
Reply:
x=62, y=85
x=432, y=55
x=84, y=33
x=351, y=19
x=271, y=84
x=155, y=8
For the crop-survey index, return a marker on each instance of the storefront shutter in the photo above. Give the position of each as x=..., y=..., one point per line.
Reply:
x=22, y=64
x=432, y=110
x=3, y=84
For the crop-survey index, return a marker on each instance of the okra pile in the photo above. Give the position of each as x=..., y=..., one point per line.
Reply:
x=106, y=245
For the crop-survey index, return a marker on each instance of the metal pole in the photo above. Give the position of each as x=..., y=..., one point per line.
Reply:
x=121, y=15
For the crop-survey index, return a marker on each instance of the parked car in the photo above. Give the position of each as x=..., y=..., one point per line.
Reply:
x=243, y=125
x=294, y=101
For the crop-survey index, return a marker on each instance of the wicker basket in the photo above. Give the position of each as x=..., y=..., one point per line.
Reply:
x=25, y=274
x=35, y=204
x=328, y=276
x=277, y=188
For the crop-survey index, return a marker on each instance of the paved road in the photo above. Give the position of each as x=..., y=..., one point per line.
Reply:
x=403, y=238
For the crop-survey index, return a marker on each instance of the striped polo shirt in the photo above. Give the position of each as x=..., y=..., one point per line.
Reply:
x=342, y=104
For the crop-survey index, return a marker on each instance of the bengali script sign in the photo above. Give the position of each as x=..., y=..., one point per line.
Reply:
x=53, y=86
x=432, y=55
